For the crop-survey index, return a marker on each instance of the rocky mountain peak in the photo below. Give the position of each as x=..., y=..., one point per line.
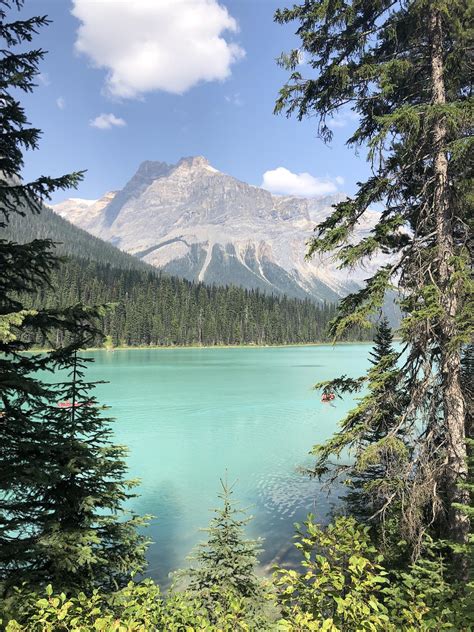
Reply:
x=191, y=220
x=196, y=163
x=151, y=169
x=147, y=172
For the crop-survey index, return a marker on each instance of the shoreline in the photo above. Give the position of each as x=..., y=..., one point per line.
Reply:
x=244, y=346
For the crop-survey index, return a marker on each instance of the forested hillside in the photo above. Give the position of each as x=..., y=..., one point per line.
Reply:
x=153, y=309
x=69, y=239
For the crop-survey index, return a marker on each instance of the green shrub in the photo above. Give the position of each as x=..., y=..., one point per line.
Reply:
x=344, y=586
x=342, y=580
x=139, y=607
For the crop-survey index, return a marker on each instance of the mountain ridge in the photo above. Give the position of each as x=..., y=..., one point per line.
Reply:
x=194, y=221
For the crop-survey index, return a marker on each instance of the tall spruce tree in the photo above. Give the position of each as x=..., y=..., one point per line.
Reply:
x=402, y=67
x=49, y=530
x=379, y=453
x=84, y=536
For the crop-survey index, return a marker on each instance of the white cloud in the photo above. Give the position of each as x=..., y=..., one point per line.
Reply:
x=285, y=182
x=148, y=45
x=106, y=121
x=61, y=103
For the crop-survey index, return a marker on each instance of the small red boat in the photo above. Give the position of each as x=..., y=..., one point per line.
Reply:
x=68, y=404
x=327, y=397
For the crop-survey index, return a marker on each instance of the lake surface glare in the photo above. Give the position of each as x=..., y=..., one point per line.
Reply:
x=190, y=415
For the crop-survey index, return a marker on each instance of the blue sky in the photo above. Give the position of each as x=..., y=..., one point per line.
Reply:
x=126, y=81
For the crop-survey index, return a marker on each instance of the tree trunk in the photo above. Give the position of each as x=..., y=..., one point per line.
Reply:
x=450, y=355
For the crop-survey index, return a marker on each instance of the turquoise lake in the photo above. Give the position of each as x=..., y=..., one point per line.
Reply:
x=190, y=415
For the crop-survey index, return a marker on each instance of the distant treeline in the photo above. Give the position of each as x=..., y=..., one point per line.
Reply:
x=151, y=309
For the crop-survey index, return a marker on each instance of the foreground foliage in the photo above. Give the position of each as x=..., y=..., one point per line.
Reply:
x=343, y=587
x=136, y=608
x=225, y=564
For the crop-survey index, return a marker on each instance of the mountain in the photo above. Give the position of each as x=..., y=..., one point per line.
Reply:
x=156, y=309
x=196, y=222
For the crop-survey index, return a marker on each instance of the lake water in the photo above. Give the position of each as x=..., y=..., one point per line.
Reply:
x=190, y=415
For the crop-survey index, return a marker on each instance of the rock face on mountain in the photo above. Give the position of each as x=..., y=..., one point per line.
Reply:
x=193, y=221
x=86, y=214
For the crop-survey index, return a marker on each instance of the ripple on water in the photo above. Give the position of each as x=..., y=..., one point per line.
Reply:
x=283, y=495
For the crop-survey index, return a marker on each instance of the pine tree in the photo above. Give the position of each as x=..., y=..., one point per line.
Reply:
x=402, y=67
x=144, y=310
x=382, y=453
x=84, y=538
x=226, y=562
x=61, y=482
x=378, y=450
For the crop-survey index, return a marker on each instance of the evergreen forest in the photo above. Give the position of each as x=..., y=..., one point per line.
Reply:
x=397, y=553
x=148, y=308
